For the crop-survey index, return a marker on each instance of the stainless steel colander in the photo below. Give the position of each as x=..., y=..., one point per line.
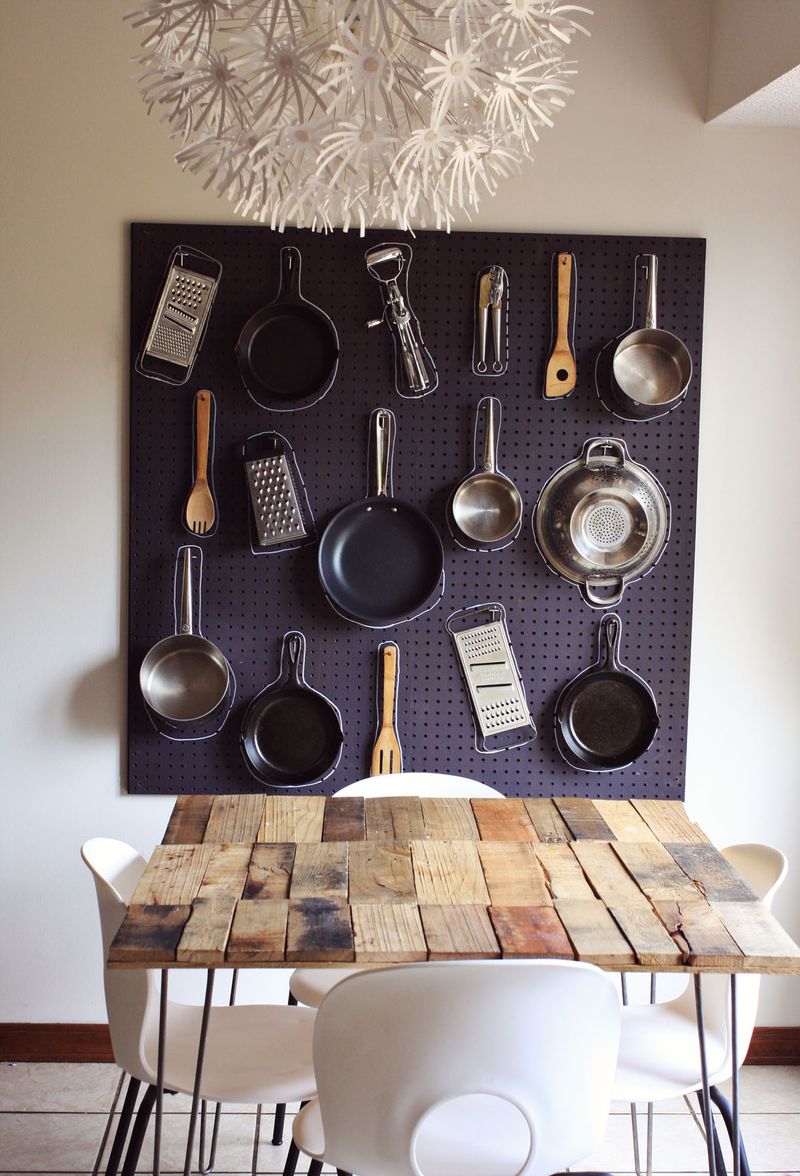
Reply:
x=602, y=521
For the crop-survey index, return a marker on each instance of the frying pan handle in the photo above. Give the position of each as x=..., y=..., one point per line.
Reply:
x=599, y=600
x=186, y=613
x=651, y=310
x=289, y=288
x=383, y=440
x=608, y=636
x=293, y=659
x=493, y=411
x=615, y=444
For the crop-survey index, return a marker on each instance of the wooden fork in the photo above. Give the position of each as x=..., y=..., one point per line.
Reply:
x=387, y=755
x=200, y=512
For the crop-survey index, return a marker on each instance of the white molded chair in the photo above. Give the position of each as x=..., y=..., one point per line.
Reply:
x=659, y=1055
x=254, y=1053
x=492, y=1068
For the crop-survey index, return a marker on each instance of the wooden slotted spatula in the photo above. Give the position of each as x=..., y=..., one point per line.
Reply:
x=200, y=513
x=561, y=375
x=387, y=755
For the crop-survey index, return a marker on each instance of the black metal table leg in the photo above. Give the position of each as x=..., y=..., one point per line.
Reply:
x=708, y=1118
x=198, y=1073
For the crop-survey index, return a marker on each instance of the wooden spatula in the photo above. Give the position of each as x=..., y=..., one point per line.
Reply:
x=561, y=373
x=387, y=755
x=200, y=512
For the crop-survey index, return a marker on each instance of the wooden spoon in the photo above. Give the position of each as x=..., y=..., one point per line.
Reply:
x=561, y=373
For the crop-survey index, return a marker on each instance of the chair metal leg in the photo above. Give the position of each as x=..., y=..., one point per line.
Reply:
x=138, y=1132
x=720, y=1160
x=107, y=1129
x=292, y=1156
x=724, y=1108
x=121, y=1134
x=315, y=1168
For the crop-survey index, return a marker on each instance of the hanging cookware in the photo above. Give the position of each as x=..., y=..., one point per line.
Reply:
x=288, y=352
x=607, y=717
x=486, y=507
x=602, y=521
x=380, y=560
x=650, y=367
x=185, y=678
x=291, y=735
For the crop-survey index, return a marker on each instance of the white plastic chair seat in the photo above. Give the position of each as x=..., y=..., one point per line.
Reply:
x=659, y=1055
x=497, y=1137
x=237, y=1069
x=310, y=985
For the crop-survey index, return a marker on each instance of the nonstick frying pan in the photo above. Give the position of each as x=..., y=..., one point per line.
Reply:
x=185, y=677
x=291, y=735
x=288, y=352
x=606, y=717
x=380, y=560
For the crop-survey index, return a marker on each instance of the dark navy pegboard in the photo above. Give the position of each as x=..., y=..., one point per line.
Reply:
x=251, y=601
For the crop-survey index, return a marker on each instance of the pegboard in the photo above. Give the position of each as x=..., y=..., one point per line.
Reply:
x=249, y=601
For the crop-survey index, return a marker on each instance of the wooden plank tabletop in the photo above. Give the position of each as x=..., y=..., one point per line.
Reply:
x=271, y=881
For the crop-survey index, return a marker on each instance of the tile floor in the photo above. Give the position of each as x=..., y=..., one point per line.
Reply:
x=52, y=1118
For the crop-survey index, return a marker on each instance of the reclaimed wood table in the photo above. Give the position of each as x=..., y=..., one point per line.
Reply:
x=270, y=881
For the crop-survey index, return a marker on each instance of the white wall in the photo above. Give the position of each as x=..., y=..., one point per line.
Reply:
x=631, y=154
x=750, y=45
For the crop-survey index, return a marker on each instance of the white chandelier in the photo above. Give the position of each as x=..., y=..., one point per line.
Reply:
x=342, y=112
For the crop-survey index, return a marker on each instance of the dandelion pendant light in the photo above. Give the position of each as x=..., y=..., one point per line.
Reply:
x=355, y=112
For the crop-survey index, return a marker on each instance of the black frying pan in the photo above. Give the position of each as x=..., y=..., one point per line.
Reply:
x=380, y=560
x=291, y=734
x=288, y=351
x=606, y=717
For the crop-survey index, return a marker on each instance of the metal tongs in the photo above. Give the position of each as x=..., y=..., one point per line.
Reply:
x=415, y=374
x=490, y=294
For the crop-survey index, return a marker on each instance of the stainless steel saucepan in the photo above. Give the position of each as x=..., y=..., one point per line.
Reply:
x=185, y=677
x=486, y=506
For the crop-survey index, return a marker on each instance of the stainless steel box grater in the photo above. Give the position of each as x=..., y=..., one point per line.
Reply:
x=180, y=316
x=490, y=674
x=276, y=509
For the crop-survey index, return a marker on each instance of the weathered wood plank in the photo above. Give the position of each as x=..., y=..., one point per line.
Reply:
x=319, y=931
x=594, y=934
x=448, y=872
x=530, y=932
x=583, y=819
x=205, y=935
x=546, y=820
x=188, y=821
x=296, y=819
x=607, y=876
x=503, y=819
x=647, y=935
x=395, y=818
x=388, y=932
x=699, y=933
x=668, y=820
x=149, y=934
x=760, y=936
x=270, y=871
x=448, y=818
x=459, y=932
x=345, y=819
x=226, y=872
x=173, y=875
x=624, y=821
x=235, y=818
x=714, y=877
x=320, y=870
x=562, y=872
x=513, y=874
x=258, y=933
x=655, y=871
x=381, y=873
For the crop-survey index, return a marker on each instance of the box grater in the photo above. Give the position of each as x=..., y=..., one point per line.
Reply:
x=180, y=316
x=276, y=509
x=490, y=673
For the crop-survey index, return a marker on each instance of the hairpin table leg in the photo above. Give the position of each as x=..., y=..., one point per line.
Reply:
x=708, y=1118
x=198, y=1073
x=162, y=1045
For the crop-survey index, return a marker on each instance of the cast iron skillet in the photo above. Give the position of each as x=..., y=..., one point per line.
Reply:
x=606, y=717
x=380, y=560
x=291, y=734
x=288, y=352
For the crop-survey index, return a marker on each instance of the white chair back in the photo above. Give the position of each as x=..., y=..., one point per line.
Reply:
x=131, y=996
x=418, y=784
x=397, y=1048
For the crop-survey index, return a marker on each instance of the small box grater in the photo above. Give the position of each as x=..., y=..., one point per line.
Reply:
x=180, y=316
x=276, y=509
x=490, y=674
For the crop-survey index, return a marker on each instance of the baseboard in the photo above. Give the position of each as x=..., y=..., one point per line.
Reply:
x=38, y=1042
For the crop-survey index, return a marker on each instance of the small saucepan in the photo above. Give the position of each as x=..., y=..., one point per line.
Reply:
x=291, y=735
x=486, y=507
x=185, y=678
x=651, y=368
x=607, y=717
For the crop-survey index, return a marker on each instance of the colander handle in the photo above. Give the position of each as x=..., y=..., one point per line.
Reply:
x=615, y=444
x=602, y=600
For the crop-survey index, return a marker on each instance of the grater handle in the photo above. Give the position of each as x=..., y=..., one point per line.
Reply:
x=202, y=406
